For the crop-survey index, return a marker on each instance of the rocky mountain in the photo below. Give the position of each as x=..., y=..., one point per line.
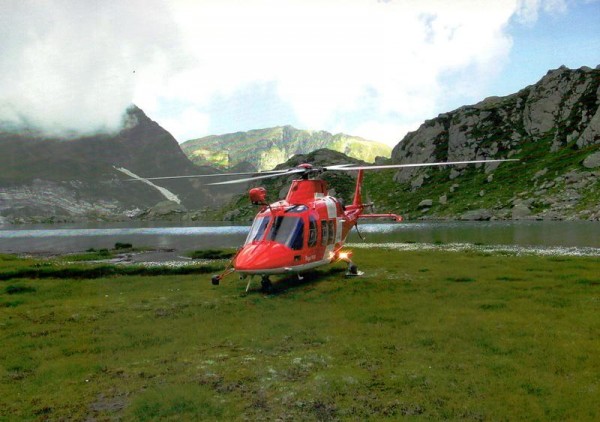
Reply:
x=265, y=148
x=552, y=127
x=50, y=179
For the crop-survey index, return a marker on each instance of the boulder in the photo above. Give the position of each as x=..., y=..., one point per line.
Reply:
x=520, y=211
x=417, y=182
x=454, y=174
x=540, y=173
x=490, y=167
x=477, y=215
x=425, y=203
x=575, y=176
x=592, y=160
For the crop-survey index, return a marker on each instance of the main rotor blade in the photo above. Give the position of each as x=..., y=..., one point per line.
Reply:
x=395, y=166
x=208, y=175
x=248, y=179
x=338, y=166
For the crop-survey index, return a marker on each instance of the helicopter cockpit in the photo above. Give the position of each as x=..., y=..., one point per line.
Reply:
x=286, y=228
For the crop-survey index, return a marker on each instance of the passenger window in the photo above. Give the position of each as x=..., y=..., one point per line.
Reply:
x=324, y=231
x=331, y=234
x=312, y=232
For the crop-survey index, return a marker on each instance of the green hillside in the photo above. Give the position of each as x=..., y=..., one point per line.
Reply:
x=265, y=148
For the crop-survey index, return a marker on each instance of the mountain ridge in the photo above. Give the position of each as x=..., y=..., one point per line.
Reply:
x=265, y=148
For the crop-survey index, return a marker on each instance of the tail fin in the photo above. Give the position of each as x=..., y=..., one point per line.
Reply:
x=358, y=206
x=357, y=201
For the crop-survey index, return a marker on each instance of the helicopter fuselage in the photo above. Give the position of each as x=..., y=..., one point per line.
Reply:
x=305, y=230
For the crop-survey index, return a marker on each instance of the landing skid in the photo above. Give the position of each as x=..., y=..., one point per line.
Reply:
x=265, y=284
x=358, y=274
x=352, y=270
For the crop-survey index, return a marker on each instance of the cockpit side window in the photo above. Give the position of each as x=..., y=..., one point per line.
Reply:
x=288, y=231
x=258, y=229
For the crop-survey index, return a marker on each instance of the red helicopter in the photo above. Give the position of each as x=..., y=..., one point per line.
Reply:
x=308, y=228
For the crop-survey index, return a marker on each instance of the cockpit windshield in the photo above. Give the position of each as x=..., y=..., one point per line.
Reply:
x=288, y=231
x=258, y=228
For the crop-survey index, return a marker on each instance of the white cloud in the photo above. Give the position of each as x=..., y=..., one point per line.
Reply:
x=326, y=57
x=349, y=65
x=374, y=130
x=69, y=66
x=188, y=123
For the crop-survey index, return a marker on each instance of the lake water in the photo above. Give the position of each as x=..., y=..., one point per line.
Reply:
x=71, y=238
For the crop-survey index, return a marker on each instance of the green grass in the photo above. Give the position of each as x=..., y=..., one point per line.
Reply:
x=66, y=271
x=91, y=255
x=227, y=253
x=428, y=335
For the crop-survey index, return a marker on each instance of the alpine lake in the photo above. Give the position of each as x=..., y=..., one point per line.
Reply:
x=68, y=238
x=450, y=321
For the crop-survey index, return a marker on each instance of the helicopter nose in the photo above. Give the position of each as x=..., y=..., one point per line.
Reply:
x=262, y=256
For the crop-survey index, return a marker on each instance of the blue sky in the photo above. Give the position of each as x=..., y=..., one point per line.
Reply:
x=373, y=68
x=571, y=38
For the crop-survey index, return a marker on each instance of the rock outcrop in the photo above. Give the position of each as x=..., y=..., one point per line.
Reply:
x=552, y=127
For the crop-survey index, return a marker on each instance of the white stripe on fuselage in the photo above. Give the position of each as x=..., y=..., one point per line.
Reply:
x=331, y=207
x=331, y=214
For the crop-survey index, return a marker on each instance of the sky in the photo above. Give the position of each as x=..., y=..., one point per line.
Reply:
x=371, y=68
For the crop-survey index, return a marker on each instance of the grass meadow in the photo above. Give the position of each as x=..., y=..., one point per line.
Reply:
x=422, y=335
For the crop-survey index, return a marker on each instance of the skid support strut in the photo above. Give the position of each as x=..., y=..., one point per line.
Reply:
x=352, y=270
x=265, y=284
x=216, y=279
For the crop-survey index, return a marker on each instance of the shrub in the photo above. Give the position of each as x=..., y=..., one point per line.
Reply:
x=120, y=245
x=12, y=289
x=212, y=254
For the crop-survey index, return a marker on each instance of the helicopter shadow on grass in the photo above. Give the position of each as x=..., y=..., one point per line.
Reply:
x=292, y=282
